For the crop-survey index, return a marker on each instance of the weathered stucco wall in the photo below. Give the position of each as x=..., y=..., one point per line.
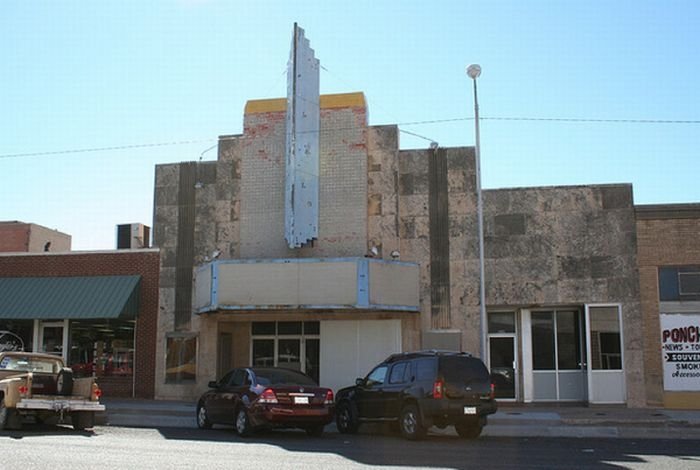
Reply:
x=567, y=246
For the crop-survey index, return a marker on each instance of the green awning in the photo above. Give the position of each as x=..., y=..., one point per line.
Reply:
x=54, y=298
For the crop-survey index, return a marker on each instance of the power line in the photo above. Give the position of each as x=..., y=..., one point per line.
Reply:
x=407, y=123
x=104, y=149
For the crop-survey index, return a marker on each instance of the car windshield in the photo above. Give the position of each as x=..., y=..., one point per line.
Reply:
x=31, y=364
x=457, y=369
x=281, y=377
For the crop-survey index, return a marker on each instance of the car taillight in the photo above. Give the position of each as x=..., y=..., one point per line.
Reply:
x=23, y=389
x=268, y=396
x=329, y=398
x=493, y=391
x=96, y=393
x=438, y=387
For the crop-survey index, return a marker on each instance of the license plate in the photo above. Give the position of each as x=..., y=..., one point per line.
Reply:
x=470, y=410
x=301, y=400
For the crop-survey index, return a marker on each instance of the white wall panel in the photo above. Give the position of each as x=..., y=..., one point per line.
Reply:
x=349, y=349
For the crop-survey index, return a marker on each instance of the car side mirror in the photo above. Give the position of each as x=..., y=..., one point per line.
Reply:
x=213, y=384
x=359, y=381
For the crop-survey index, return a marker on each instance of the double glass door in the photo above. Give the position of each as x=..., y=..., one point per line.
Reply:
x=292, y=345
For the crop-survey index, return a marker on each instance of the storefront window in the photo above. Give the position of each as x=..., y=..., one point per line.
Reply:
x=16, y=335
x=181, y=359
x=542, y=341
x=102, y=347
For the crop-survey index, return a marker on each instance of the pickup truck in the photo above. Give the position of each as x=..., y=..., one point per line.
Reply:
x=39, y=385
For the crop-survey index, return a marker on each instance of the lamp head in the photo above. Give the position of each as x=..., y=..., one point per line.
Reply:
x=474, y=70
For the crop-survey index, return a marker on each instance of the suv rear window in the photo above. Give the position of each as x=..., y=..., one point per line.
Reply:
x=456, y=369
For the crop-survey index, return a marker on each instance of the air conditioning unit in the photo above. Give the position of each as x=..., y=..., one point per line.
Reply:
x=133, y=236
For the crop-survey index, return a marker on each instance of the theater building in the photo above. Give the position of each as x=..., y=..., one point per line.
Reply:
x=393, y=266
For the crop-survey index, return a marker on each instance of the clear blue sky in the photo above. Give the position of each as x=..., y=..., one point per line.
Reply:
x=80, y=75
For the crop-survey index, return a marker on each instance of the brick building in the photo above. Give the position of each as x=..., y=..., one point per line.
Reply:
x=31, y=238
x=669, y=271
x=394, y=266
x=98, y=310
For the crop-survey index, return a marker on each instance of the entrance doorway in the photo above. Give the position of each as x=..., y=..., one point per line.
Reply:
x=502, y=354
x=502, y=365
x=52, y=338
x=293, y=345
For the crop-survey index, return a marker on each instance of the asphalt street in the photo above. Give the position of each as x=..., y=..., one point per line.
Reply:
x=52, y=447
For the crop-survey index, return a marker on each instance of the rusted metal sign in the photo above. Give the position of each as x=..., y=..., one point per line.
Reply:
x=302, y=145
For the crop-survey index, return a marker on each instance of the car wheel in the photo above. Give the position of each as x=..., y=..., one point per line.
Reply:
x=202, y=417
x=346, y=418
x=243, y=423
x=9, y=418
x=411, y=423
x=470, y=429
x=82, y=420
x=314, y=431
x=64, y=382
x=4, y=415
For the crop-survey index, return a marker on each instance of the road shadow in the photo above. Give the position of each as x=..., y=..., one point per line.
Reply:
x=29, y=430
x=440, y=451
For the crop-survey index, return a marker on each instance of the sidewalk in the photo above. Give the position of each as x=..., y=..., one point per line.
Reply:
x=511, y=420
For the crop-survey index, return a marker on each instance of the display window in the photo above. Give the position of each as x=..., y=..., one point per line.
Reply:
x=102, y=348
x=16, y=335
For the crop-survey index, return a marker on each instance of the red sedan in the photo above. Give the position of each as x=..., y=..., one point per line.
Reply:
x=266, y=397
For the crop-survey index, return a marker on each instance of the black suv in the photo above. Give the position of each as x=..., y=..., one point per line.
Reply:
x=420, y=389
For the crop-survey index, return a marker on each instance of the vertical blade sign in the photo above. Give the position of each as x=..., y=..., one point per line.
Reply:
x=302, y=143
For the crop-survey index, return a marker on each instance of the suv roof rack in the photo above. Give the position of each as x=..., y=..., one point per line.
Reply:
x=426, y=352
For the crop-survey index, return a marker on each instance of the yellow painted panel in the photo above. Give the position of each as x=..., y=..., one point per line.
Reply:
x=682, y=400
x=338, y=100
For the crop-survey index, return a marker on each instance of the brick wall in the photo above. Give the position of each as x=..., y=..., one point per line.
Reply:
x=14, y=237
x=31, y=238
x=342, y=188
x=122, y=263
x=665, y=237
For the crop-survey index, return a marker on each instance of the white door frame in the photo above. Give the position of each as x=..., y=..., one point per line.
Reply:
x=592, y=374
x=38, y=342
x=516, y=368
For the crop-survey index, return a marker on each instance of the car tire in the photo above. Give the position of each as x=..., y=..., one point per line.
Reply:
x=4, y=415
x=243, y=423
x=314, y=431
x=203, y=417
x=469, y=429
x=9, y=418
x=82, y=420
x=346, y=418
x=411, y=423
x=64, y=382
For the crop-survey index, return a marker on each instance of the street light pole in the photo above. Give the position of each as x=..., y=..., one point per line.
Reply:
x=473, y=71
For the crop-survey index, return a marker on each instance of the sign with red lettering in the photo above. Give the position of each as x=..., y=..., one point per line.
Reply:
x=680, y=349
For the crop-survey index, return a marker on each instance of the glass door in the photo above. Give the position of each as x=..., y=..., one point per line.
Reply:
x=606, y=374
x=53, y=338
x=502, y=365
x=502, y=354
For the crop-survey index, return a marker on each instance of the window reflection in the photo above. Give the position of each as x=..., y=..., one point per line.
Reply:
x=102, y=347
